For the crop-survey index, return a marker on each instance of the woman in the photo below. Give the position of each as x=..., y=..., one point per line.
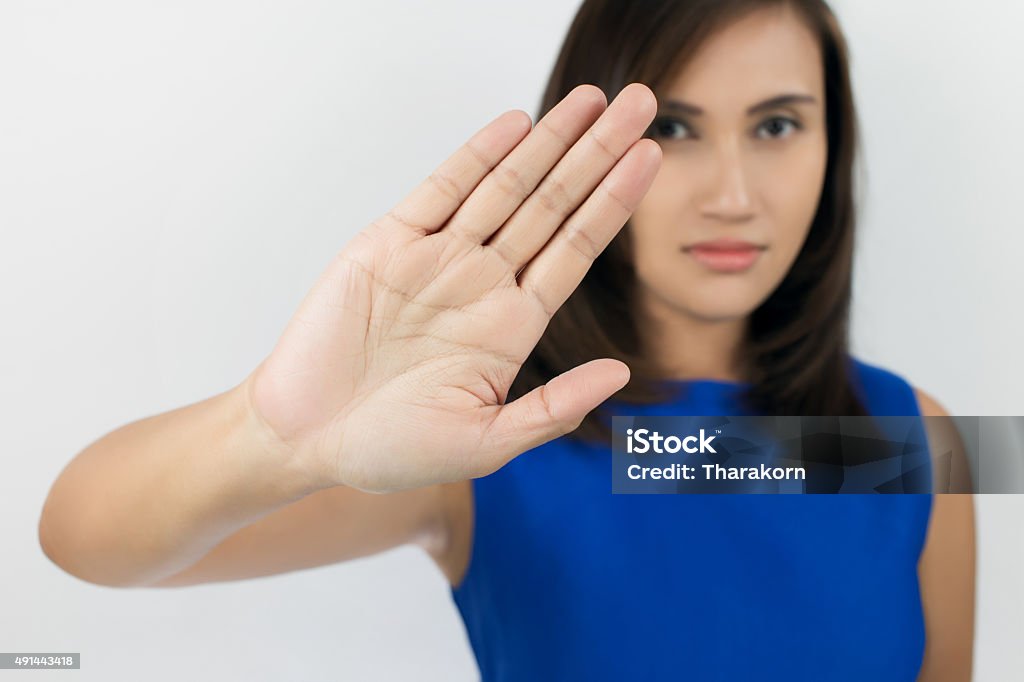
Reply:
x=757, y=127
x=446, y=358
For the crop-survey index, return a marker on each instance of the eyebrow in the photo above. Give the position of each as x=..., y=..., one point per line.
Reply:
x=777, y=101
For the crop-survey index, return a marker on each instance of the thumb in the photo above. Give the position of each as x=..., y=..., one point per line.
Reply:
x=552, y=410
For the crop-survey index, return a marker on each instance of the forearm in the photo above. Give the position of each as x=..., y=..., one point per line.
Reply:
x=152, y=497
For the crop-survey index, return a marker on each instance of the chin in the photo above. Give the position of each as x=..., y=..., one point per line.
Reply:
x=720, y=313
x=717, y=308
x=711, y=301
x=719, y=301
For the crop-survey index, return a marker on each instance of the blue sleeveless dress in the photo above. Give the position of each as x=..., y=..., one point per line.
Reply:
x=569, y=582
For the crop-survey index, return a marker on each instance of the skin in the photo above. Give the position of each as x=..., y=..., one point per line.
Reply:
x=756, y=177
x=946, y=568
x=729, y=180
x=728, y=173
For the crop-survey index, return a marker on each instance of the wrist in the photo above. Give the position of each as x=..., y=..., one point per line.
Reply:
x=298, y=474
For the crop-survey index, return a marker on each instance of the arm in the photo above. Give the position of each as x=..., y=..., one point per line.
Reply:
x=202, y=494
x=390, y=377
x=947, y=569
x=330, y=526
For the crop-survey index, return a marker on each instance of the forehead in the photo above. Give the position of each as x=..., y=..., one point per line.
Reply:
x=759, y=55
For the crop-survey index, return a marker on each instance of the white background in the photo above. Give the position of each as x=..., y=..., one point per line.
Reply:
x=173, y=176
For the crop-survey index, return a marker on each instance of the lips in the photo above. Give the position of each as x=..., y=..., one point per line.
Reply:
x=725, y=255
x=725, y=245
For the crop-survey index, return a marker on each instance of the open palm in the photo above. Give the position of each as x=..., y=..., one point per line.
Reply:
x=394, y=371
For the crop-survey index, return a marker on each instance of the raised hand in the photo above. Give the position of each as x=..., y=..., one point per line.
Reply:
x=393, y=372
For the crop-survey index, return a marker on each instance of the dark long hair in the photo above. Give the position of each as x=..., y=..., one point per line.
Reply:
x=796, y=350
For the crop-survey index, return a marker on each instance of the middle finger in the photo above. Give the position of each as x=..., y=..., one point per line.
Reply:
x=575, y=176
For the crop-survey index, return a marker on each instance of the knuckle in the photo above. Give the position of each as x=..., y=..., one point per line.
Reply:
x=510, y=181
x=541, y=301
x=561, y=137
x=612, y=196
x=482, y=161
x=581, y=241
x=508, y=253
x=545, y=403
x=445, y=184
x=396, y=217
x=555, y=198
x=600, y=143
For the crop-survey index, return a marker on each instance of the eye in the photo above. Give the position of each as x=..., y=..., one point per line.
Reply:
x=667, y=127
x=774, y=124
x=671, y=128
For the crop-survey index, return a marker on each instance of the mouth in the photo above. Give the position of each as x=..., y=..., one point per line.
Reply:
x=725, y=256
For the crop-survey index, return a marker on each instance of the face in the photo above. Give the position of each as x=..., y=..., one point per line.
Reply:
x=730, y=172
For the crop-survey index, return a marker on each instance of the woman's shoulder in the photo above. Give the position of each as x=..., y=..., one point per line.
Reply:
x=930, y=407
x=889, y=390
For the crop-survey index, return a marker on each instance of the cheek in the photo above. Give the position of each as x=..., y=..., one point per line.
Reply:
x=800, y=179
x=794, y=193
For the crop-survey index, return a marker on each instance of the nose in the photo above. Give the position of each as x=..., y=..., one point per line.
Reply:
x=726, y=196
